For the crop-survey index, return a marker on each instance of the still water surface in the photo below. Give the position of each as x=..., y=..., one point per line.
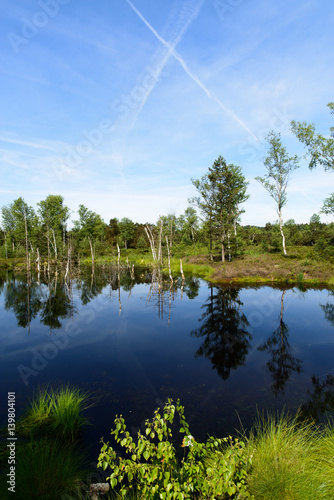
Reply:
x=133, y=341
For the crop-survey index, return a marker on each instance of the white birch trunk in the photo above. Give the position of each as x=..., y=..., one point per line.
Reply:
x=55, y=244
x=151, y=241
x=281, y=229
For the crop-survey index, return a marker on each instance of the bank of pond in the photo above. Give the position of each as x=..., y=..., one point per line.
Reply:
x=253, y=367
x=281, y=457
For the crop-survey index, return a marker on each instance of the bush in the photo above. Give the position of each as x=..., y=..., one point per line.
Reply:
x=215, y=469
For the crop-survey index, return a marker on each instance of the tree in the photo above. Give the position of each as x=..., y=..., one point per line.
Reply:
x=328, y=206
x=188, y=224
x=279, y=166
x=54, y=215
x=90, y=225
x=19, y=223
x=221, y=192
x=127, y=231
x=320, y=148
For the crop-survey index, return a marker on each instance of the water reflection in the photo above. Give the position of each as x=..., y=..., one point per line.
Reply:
x=51, y=295
x=226, y=340
x=30, y=297
x=282, y=363
x=328, y=309
x=321, y=402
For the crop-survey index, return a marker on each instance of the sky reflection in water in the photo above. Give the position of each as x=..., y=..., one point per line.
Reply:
x=226, y=352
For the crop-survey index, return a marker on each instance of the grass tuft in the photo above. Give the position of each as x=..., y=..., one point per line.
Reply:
x=291, y=461
x=57, y=412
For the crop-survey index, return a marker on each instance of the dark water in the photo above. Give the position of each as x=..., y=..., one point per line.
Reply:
x=226, y=352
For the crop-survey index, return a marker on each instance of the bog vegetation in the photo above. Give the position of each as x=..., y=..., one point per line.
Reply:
x=280, y=458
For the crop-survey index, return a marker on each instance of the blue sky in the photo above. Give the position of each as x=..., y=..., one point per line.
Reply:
x=118, y=104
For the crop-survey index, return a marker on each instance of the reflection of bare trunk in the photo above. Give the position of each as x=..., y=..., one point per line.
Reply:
x=159, y=243
x=28, y=298
x=170, y=303
x=119, y=280
x=281, y=322
x=68, y=262
x=281, y=229
x=170, y=271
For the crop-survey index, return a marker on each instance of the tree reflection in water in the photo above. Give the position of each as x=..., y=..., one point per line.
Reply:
x=226, y=340
x=321, y=402
x=282, y=364
x=51, y=295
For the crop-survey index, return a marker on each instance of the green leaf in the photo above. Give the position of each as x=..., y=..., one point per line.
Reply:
x=113, y=482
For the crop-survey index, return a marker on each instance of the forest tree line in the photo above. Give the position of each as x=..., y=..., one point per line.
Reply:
x=211, y=221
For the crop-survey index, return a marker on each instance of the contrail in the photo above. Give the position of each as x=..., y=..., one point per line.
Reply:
x=169, y=53
x=193, y=76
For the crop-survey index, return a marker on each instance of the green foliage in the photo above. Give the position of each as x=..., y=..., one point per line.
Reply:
x=48, y=469
x=58, y=412
x=221, y=192
x=89, y=225
x=320, y=148
x=291, y=460
x=279, y=167
x=154, y=471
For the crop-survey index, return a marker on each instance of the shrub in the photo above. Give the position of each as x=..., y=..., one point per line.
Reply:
x=215, y=469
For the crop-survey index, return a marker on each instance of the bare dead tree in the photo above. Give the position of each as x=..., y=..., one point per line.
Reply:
x=151, y=241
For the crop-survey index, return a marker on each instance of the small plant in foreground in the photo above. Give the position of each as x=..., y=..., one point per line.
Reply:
x=57, y=412
x=215, y=469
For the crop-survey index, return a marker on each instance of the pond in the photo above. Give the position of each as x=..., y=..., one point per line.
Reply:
x=133, y=340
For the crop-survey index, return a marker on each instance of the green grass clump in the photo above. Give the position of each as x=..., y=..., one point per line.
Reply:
x=48, y=470
x=58, y=412
x=287, y=461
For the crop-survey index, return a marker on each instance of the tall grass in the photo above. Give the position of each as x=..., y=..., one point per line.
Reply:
x=49, y=469
x=58, y=412
x=290, y=461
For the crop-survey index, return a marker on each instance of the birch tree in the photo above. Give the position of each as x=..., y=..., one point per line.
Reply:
x=279, y=167
x=54, y=215
x=320, y=149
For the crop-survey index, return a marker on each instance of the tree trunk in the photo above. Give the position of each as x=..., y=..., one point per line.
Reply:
x=47, y=235
x=223, y=247
x=91, y=250
x=55, y=244
x=151, y=241
x=159, y=243
x=281, y=229
x=26, y=231
x=229, y=245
